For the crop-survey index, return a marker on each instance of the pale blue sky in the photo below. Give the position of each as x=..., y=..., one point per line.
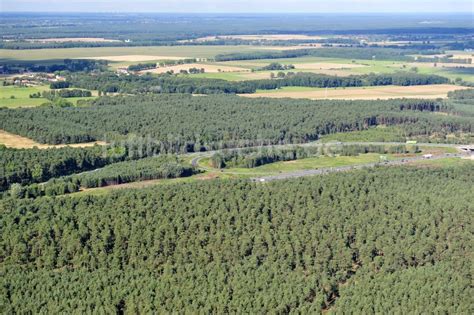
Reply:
x=239, y=6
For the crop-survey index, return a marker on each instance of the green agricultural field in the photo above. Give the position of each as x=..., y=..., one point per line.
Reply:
x=15, y=96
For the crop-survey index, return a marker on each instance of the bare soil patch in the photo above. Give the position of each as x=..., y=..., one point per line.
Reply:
x=18, y=142
x=383, y=92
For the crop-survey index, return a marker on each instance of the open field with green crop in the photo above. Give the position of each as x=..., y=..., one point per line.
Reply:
x=16, y=96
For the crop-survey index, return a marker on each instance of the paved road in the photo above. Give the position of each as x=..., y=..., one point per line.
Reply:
x=322, y=171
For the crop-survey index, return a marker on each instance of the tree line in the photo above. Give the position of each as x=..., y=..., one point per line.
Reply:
x=71, y=65
x=142, y=66
x=26, y=166
x=367, y=53
x=65, y=93
x=160, y=167
x=170, y=83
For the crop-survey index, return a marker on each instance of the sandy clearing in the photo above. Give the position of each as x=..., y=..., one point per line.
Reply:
x=136, y=58
x=72, y=39
x=208, y=68
x=383, y=92
x=18, y=142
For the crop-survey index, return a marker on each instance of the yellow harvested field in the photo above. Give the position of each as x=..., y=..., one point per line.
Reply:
x=136, y=58
x=209, y=68
x=368, y=93
x=18, y=142
x=72, y=39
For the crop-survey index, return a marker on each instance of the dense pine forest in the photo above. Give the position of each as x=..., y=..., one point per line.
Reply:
x=145, y=167
x=382, y=240
x=185, y=123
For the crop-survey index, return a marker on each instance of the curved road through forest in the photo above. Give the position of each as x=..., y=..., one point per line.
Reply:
x=322, y=171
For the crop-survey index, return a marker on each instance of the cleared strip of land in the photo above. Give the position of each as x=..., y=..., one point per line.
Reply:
x=368, y=93
x=18, y=142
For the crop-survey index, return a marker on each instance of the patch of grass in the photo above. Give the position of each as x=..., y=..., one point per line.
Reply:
x=21, y=96
x=376, y=134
